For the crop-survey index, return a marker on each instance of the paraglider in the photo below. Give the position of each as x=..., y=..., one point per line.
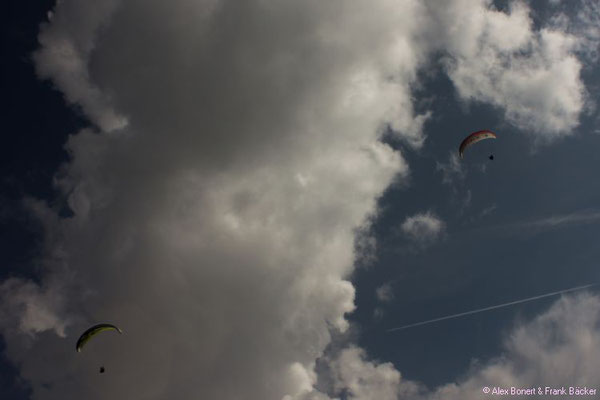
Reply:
x=93, y=331
x=474, y=138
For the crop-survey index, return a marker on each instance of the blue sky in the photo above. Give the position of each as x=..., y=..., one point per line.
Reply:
x=529, y=228
x=256, y=193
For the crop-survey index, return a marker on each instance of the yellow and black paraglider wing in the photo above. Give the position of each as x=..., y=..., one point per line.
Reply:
x=474, y=138
x=93, y=331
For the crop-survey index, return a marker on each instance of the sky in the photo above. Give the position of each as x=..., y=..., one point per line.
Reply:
x=258, y=193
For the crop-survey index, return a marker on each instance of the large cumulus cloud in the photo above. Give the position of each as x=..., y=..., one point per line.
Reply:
x=236, y=151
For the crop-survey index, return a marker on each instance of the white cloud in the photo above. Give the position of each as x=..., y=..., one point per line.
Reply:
x=378, y=313
x=560, y=347
x=385, y=293
x=364, y=380
x=357, y=378
x=452, y=170
x=500, y=59
x=585, y=25
x=30, y=308
x=216, y=227
x=423, y=228
x=67, y=43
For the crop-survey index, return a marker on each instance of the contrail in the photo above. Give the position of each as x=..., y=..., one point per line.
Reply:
x=431, y=321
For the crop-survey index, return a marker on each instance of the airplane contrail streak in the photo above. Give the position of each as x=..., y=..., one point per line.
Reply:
x=431, y=321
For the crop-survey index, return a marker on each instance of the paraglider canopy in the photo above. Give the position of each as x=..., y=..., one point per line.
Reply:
x=93, y=331
x=474, y=138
